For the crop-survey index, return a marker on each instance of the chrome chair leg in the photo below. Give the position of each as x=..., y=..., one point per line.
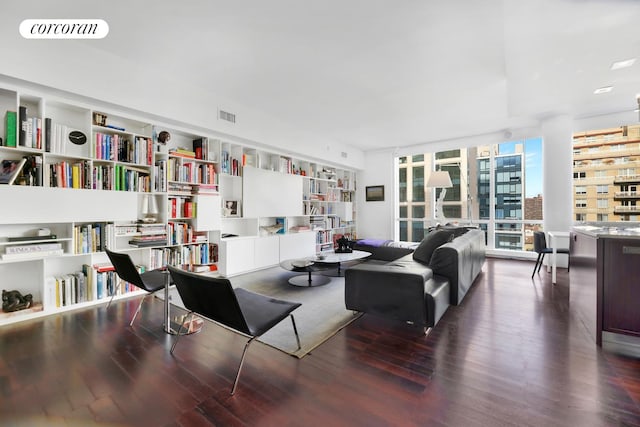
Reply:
x=137, y=311
x=244, y=353
x=111, y=300
x=296, y=331
x=180, y=333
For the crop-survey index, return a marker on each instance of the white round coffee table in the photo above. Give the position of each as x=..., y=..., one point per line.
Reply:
x=306, y=265
x=309, y=265
x=333, y=259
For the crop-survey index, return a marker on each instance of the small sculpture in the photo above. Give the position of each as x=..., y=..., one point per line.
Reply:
x=164, y=137
x=14, y=301
x=343, y=246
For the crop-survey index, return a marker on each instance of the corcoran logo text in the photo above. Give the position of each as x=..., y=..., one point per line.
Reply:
x=64, y=29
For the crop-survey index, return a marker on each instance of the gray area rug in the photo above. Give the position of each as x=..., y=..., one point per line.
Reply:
x=321, y=315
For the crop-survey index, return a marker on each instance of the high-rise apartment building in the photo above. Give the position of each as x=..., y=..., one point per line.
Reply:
x=508, y=194
x=606, y=174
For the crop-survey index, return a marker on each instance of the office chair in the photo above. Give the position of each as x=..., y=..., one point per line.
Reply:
x=540, y=246
x=247, y=313
x=151, y=281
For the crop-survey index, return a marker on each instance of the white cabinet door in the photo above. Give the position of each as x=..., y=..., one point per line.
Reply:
x=236, y=256
x=208, y=213
x=297, y=245
x=266, y=251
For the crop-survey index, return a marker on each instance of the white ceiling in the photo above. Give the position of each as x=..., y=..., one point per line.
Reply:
x=379, y=73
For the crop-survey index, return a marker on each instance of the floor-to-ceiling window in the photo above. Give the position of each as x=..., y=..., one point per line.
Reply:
x=496, y=187
x=412, y=196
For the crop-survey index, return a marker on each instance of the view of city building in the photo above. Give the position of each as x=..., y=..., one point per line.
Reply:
x=606, y=174
x=490, y=189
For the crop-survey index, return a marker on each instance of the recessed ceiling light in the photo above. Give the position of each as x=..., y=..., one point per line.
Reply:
x=603, y=89
x=622, y=64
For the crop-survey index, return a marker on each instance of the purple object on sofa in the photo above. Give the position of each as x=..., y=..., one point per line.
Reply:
x=373, y=242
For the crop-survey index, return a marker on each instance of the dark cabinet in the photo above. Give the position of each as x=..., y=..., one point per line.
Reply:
x=604, y=285
x=621, y=291
x=583, y=283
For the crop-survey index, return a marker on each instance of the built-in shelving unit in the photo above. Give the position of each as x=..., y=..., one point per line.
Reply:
x=97, y=176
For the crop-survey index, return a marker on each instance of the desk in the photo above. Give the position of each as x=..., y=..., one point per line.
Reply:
x=553, y=242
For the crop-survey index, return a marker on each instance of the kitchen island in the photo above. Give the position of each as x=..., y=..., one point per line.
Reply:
x=604, y=291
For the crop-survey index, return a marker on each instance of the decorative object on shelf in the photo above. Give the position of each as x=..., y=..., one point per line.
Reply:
x=442, y=180
x=99, y=119
x=374, y=193
x=272, y=229
x=77, y=137
x=164, y=137
x=149, y=209
x=231, y=208
x=15, y=301
x=344, y=246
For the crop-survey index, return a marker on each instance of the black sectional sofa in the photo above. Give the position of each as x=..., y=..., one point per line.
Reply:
x=416, y=284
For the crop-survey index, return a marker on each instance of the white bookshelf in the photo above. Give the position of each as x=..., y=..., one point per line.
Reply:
x=117, y=188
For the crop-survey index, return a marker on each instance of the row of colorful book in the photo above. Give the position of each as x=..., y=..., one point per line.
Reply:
x=119, y=148
x=94, y=282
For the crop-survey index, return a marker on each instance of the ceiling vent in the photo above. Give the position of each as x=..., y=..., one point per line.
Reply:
x=226, y=116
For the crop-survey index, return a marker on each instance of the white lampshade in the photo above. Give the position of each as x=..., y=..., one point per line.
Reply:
x=439, y=179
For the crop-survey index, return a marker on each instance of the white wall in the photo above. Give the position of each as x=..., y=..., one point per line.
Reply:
x=557, y=173
x=375, y=219
x=80, y=68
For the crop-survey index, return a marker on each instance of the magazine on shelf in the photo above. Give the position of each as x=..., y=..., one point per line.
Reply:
x=10, y=169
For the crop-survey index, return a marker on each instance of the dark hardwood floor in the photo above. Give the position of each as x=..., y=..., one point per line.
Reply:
x=511, y=354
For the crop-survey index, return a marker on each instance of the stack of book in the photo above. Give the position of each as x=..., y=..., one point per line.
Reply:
x=205, y=189
x=150, y=235
x=32, y=250
x=299, y=228
x=182, y=152
x=317, y=223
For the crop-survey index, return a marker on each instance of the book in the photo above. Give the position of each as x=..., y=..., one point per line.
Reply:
x=143, y=243
x=182, y=152
x=10, y=170
x=35, y=247
x=22, y=122
x=198, y=148
x=201, y=268
x=104, y=266
x=10, y=120
x=30, y=255
x=47, y=134
x=30, y=238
